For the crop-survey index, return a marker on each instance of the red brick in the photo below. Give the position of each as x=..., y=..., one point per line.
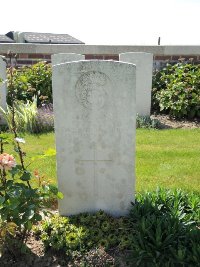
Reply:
x=47, y=56
x=23, y=55
x=190, y=57
x=24, y=62
x=38, y=56
x=176, y=57
x=99, y=57
x=113, y=57
x=87, y=57
x=162, y=58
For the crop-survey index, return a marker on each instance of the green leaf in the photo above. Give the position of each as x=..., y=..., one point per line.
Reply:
x=15, y=170
x=30, y=214
x=5, y=138
x=53, y=189
x=12, y=203
x=60, y=195
x=29, y=225
x=23, y=79
x=2, y=199
x=26, y=176
x=37, y=217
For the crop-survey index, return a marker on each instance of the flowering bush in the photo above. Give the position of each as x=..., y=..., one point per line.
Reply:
x=21, y=204
x=45, y=119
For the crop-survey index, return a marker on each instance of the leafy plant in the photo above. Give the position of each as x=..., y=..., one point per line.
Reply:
x=21, y=205
x=29, y=118
x=44, y=119
x=166, y=229
x=29, y=82
x=176, y=90
x=147, y=122
x=161, y=230
x=83, y=232
x=25, y=116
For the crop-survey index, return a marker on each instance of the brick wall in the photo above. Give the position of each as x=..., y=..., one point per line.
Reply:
x=29, y=59
x=159, y=61
x=32, y=53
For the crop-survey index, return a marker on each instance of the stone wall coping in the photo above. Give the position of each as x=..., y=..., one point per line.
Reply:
x=99, y=49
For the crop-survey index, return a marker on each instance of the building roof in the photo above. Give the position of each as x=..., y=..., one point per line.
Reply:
x=5, y=39
x=46, y=38
x=42, y=38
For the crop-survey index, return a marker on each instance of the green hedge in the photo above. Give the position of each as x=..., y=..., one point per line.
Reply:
x=30, y=81
x=176, y=90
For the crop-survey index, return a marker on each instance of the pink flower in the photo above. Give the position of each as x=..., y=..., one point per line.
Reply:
x=7, y=162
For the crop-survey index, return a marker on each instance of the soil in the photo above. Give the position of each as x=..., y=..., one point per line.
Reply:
x=36, y=256
x=172, y=123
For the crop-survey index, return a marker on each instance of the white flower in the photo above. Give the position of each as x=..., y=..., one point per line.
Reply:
x=20, y=140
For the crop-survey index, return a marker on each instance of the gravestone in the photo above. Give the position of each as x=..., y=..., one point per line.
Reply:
x=65, y=57
x=3, y=88
x=94, y=108
x=144, y=68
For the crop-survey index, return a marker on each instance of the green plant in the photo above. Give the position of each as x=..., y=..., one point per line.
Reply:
x=176, y=90
x=31, y=81
x=25, y=116
x=147, y=122
x=21, y=205
x=82, y=232
x=29, y=118
x=166, y=229
x=160, y=230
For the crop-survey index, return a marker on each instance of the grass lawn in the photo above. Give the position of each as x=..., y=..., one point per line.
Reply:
x=168, y=158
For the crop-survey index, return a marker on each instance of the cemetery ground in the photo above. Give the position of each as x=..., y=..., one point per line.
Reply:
x=162, y=227
x=166, y=158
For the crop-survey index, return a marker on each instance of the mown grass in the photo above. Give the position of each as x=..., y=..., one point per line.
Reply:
x=166, y=158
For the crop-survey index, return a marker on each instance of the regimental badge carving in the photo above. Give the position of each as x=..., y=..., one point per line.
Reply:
x=90, y=89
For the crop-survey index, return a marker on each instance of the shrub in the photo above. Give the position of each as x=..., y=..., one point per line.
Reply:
x=25, y=116
x=45, y=119
x=21, y=204
x=83, y=232
x=176, y=90
x=30, y=81
x=166, y=229
x=29, y=118
x=161, y=230
x=147, y=122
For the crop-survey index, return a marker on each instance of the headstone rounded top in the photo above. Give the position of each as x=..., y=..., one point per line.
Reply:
x=65, y=57
x=97, y=64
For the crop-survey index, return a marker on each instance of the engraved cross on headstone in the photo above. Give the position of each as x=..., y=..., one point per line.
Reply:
x=95, y=161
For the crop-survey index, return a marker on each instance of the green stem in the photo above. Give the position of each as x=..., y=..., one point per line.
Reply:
x=14, y=128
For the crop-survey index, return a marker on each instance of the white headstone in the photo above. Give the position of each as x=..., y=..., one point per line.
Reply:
x=144, y=68
x=3, y=88
x=65, y=57
x=94, y=105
